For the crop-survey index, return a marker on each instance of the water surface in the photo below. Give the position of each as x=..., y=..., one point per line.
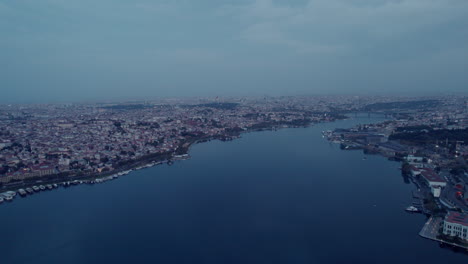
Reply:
x=286, y=196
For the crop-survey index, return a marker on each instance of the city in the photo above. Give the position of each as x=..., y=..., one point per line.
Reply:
x=46, y=145
x=76, y=140
x=237, y=132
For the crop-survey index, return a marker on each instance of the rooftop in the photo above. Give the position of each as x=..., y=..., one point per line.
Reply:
x=431, y=175
x=457, y=218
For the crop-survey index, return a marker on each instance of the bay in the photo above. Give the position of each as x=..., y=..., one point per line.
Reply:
x=285, y=196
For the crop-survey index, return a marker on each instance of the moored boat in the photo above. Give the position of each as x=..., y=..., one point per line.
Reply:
x=412, y=209
x=10, y=193
x=22, y=192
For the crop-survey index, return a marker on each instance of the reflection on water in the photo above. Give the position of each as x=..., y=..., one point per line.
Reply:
x=287, y=196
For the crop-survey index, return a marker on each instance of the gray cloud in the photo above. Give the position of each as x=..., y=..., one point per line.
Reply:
x=79, y=50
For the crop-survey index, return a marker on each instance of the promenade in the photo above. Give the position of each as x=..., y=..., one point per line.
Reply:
x=431, y=231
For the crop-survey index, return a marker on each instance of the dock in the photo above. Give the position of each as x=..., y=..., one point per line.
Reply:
x=418, y=201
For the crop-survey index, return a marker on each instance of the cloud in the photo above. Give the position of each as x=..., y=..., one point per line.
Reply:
x=343, y=25
x=286, y=47
x=269, y=34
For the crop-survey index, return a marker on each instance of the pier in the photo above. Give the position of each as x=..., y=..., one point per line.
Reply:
x=418, y=201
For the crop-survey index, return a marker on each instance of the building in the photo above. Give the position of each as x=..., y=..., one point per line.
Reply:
x=419, y=162
x=42, y=170
x=456, y=224
x=432, y=178
x=414, y=159
x=375, y=139
x=436, y=191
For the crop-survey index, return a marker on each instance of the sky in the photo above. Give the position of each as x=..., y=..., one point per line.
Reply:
x=62, y=50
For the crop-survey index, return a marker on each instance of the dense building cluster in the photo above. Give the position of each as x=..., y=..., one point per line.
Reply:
x=43, y=140
x=66, y=142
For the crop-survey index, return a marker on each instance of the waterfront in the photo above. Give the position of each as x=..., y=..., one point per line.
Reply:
x=287, y=196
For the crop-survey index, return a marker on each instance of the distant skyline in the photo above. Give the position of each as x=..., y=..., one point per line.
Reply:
x=69, y=51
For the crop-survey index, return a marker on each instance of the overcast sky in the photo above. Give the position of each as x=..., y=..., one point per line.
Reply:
x=63, y=50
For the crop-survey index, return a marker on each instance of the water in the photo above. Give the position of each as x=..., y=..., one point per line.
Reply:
x=286, y=196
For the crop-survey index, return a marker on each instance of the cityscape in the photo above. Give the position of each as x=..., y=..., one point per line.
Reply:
x=46, y=145
x=234, y=132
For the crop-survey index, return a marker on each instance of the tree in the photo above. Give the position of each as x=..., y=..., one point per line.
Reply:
x=406, y=168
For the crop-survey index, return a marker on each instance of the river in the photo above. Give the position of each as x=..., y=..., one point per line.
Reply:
x=285, y=196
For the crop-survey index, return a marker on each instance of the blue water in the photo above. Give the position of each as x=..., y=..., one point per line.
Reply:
x=287, y=196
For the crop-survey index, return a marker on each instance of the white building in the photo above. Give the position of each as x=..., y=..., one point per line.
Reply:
x=436, y=191
x=414, y=159
x=456, y=224
x=64, y=162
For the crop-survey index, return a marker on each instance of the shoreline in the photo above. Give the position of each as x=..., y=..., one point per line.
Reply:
x=151, y=160
x=422, y=191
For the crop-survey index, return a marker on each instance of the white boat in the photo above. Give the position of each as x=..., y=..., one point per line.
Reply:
x=1, y=200
x=412, y=209
x=22, y=192
x=11, y=193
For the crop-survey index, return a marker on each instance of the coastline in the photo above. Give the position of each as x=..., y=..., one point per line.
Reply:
x=434, y=215
x=181, y=152
x=169, y=200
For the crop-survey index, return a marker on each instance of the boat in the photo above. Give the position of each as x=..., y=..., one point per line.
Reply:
x=35, y=188
x=42, y=187
x=49, y=186
x=22, y=192
x=30, y=190
x=126, y=172
x=10, y=193
x=1, y=200
x=8, y=198
x=55, y=185
x=412, y=209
